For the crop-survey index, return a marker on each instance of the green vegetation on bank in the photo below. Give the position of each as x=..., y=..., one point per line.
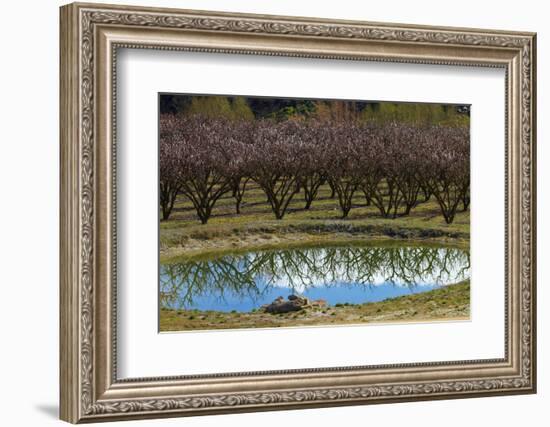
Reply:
x=449, y=302
x=256, y=228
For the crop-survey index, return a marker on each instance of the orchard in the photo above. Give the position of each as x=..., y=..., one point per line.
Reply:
x=396, y=166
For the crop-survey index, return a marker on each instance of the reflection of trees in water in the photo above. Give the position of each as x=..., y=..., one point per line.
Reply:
x=251, y=275
x=181, y=283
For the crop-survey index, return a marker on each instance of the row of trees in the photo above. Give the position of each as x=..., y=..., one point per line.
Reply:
x=396, y=166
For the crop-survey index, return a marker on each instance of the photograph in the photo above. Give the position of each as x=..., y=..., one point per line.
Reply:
x=290, y=212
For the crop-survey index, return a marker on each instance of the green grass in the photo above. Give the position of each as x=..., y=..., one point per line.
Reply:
x=257, y=227
x=447, y=303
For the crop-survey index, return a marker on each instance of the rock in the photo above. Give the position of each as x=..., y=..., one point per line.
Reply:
x=280, y=305
x=294, y=303
x=283, y=307
x=319, y=303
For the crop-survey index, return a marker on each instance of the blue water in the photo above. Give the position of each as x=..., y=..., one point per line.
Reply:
x=338, y=294
x=337, y=275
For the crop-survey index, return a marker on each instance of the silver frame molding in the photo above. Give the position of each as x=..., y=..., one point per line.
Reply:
x=90, y=37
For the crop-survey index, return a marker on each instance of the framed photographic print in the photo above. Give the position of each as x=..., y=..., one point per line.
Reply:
x=263, y=212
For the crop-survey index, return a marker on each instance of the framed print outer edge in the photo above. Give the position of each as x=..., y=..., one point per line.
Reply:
x=69, y=355
x=90, y=34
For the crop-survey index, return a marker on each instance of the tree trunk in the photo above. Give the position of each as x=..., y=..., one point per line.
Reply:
x=332, y=190
x=465, y=202
x=168, y=197
x=165, y=213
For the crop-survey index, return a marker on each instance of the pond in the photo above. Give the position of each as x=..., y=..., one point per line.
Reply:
x=350, y=274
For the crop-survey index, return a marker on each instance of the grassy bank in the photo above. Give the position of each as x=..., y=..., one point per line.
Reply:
x=256, y=228
x=447, y=303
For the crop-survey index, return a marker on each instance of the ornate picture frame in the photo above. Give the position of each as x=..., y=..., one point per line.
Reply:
x=90, y=37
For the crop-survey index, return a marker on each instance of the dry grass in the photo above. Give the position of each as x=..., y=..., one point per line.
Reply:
x=256, y=226
x=448, y=303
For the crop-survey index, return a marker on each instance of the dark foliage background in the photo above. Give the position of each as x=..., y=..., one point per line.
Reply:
x=283, y=108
